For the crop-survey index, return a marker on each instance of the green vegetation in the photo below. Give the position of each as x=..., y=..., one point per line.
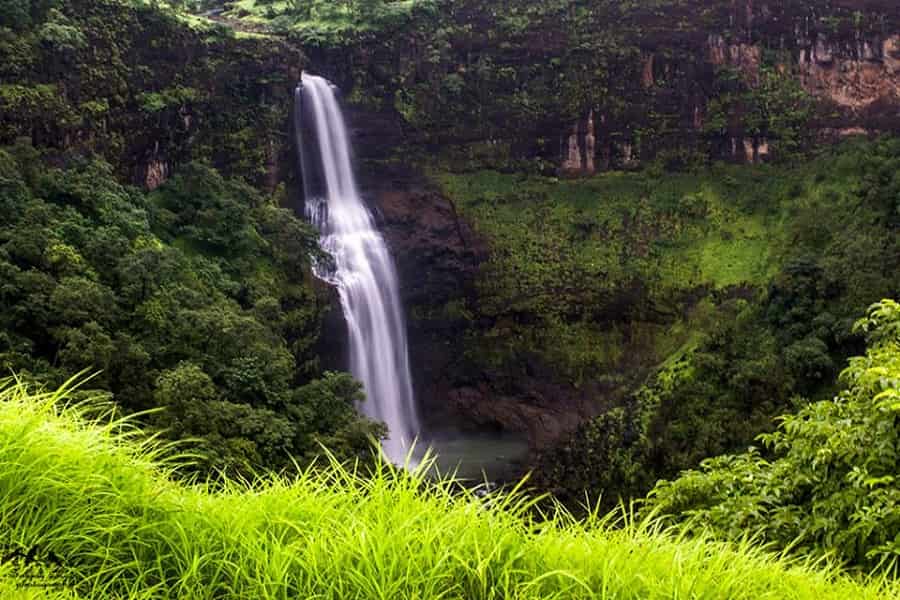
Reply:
x=657, y=315
x=327, y=22
x=196, y=298
x=568, y=251
x=731, y=288
x=144, y=86
x=565, y=254
x=832, y=484
x=99, y=499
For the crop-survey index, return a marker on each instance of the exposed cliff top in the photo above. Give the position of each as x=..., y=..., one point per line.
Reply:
x=147, y=87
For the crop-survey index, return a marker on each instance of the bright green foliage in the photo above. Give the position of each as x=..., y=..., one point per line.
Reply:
x=196, y=298
x=567, y=256
x=328, y=22
x=694, y=307
x=833, y=483
x=98, y=498
x=572, y=259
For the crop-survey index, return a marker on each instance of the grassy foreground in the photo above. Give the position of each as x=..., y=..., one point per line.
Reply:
x=97, y=498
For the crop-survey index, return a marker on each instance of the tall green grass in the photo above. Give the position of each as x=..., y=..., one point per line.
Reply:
x=104, y=501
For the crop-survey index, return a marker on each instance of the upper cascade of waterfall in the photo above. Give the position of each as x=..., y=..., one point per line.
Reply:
x=363, y=270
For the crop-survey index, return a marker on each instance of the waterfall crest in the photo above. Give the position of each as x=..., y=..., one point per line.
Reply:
x=363, y=270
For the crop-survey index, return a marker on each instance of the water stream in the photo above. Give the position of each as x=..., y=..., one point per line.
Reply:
x=362, y=271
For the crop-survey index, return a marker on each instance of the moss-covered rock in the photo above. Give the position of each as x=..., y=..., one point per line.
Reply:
x=588, y=86
x=149, y=89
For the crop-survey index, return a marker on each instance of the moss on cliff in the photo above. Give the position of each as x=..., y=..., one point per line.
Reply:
x=826, y=235
x=592, y=272
x=679, y=80
x=686, y=309
x=148, y=88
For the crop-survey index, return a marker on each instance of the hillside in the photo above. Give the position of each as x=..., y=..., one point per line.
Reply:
x=462, y=126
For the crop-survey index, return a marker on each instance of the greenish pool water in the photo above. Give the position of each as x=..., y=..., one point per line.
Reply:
x=479, y=457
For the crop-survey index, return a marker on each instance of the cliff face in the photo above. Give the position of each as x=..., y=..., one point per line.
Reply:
x=440, y=260
x=575, y=90
x=149, y=90
x=862, y=79
x=572, y=88
x=583, y=87
x=438, y=257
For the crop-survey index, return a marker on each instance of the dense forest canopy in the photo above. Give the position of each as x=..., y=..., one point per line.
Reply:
x=194, y=298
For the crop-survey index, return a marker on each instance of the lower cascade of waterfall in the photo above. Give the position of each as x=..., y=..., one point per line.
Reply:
x=362, y=270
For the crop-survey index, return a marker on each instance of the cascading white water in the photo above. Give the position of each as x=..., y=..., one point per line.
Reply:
x=363, y=270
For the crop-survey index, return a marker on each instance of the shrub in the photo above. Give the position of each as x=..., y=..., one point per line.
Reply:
x=833, y=487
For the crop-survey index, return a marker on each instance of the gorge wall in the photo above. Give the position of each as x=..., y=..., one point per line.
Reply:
x=148, y=89
x=580, y=87
x=570, y=89
x=542, y=86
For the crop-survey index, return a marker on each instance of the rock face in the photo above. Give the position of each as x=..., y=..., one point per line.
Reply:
x=590, y=146
x=857, y=78
x=572, y=163
x=437, y=257
x=542, y=411
x=683, y=78
x=744, y=58
x=581, y=155
x=157, y=173
x=147, y=106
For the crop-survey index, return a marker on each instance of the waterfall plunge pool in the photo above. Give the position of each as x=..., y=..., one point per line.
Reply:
x=477, y=456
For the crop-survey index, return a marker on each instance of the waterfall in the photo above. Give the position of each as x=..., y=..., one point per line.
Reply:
x=363, y=270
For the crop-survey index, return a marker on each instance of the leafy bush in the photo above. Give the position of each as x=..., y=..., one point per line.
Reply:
x=833, y=485
x=20, y=14
x=195, y=298
x=755, y=349
x=328, y=23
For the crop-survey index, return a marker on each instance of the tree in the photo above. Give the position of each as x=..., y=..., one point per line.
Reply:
x=195, y=299
x=834, y=484
x=15, y=14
